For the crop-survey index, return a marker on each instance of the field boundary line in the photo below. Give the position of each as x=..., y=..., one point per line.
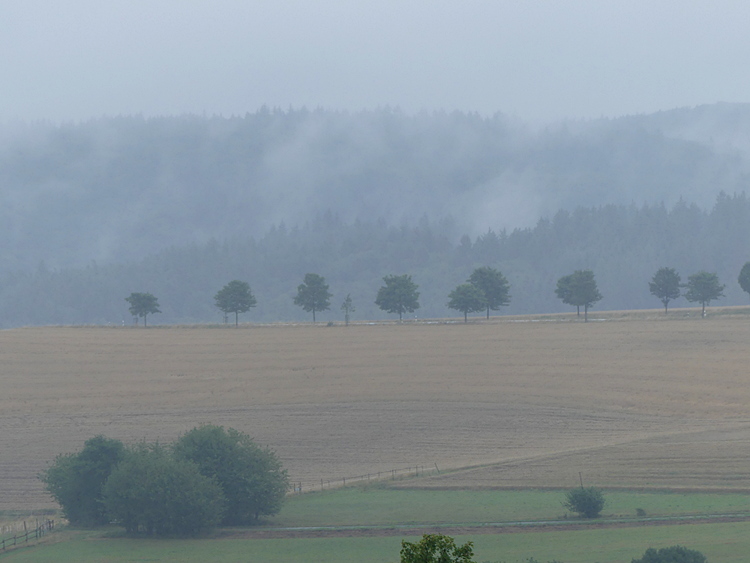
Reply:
x=301, y=487
x=466, y=528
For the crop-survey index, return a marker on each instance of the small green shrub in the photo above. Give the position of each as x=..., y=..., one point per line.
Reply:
x=585, y=501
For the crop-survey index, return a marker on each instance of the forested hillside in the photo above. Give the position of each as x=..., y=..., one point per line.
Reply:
x=119, y=189
x=178, y=206
x=623, y=244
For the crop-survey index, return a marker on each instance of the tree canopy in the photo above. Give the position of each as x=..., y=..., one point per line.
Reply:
x=436, y=548
x=467, y=298
x=154, y=492
x=235, y=297
x=674, y=554
x=142, y=305
x=579, y=289
x=744, y=277
x=704, y=287
x=665, y=285
x=586, y=501
x=313, y=295
x=493, y=285
x=251, y=477
x=76, y=480
x=398, y=295
x=209, y=476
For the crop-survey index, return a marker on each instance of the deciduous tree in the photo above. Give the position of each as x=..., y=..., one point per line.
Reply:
x=436, y=548
x=313, y=295
x=579, y=289
x=398, y=295
x=744, y=277
x=674, y=554
x=76, y=480
x=153, y=492
x=703, y=288
x=251, y=477
x=142, y=305
x=467, y=298
x=493, y=284
x=665, y=285
x=235, y=297
x=586, y=501
x=348, y=307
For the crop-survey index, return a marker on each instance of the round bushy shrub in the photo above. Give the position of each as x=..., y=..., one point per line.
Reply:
x=585, y=501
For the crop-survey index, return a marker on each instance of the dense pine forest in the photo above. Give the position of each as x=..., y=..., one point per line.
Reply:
x=179, y=206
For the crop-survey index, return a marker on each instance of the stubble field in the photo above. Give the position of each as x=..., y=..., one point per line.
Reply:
x=630, y=402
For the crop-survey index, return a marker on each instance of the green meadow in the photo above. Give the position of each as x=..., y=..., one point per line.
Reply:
x=384, y=507
x=388, y=508
x=724, y=543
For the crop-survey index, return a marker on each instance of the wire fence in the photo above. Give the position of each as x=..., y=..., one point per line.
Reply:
x=36, y=533
x=391, y=474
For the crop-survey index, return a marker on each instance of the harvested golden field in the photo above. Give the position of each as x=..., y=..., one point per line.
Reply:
x=630, y=402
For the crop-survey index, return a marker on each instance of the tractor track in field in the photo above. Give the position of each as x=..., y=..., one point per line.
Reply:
x=460, y=529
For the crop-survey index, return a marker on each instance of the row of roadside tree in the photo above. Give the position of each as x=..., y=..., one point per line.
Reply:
x=485, y=290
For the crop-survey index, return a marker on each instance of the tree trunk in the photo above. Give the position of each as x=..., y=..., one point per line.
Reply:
x=578, y=310
x=313, y=316
x=465, y=317
x=236, y=319
x=488, y=312
x=145, y=322
x=585, y=313
x=703, y=313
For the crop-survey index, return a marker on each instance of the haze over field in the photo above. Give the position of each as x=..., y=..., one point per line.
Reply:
x=137, y=136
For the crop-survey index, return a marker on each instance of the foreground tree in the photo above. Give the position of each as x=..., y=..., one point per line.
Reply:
x=744, y=277
x=579, y=289
x=142, y=305
x=585, y=501
x=467, y=298
x=674, y=554
x=665, y=285
x=250, y=476
x=76, y=480
x=235, y=297
x=398, y=295
x=153, y=492
x=312, y=294
x=348, y=307
x=436, y=548
x=493, y=285
x=703, y=288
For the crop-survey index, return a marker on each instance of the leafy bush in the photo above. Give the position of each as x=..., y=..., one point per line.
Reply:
x=76, y=480
x=436, y=548
x=153, y=492
x=674, y=554
x=251, y=477
x=585, y=501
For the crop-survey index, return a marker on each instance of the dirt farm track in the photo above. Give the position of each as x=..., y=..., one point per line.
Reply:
x=631, y=402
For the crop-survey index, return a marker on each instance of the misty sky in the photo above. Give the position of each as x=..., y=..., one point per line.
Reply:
x=538, y=60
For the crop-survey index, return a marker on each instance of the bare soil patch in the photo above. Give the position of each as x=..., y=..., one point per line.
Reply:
x=629, y=402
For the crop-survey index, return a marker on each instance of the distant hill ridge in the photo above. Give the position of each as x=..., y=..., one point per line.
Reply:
x=118, y=189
